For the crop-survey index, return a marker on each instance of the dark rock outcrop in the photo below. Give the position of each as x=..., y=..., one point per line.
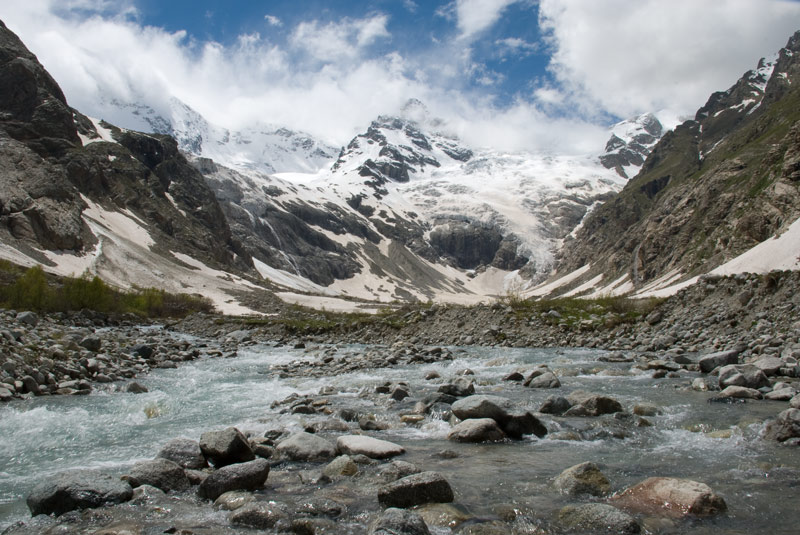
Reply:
x=78, y=489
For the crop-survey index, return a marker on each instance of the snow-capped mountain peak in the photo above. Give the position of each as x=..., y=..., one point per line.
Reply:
x=630, y=143
x=261, y=147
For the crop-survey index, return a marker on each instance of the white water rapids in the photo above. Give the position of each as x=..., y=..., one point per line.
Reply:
x=112, y=430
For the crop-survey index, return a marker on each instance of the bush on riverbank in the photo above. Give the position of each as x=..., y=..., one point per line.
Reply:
x=33, y=289
x=573, y=310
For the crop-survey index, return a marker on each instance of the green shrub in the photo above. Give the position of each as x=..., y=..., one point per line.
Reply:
x=34, y=290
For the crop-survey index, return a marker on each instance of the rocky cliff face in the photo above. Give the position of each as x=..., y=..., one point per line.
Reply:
x=59, y=169
x=712, y=188
x=630, y=143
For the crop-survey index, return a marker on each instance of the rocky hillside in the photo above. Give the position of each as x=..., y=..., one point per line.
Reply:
x=711, y=189
x=77, y=194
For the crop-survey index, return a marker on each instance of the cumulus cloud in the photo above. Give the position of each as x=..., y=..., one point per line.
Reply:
x=626, y=57
x=342, y=39
x=516, y=47
x=331, y=79
x=475, y=16
x=272, y=20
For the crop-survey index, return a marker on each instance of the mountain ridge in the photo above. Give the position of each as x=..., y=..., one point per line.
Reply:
x=711, y=189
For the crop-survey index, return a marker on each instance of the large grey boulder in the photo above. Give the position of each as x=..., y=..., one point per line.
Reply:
x=460, y=387
x=586, y=404
x=185, y=452
x=416, y=489
x=242, y=476
x=261, y=515
x=304, y=446
x=598, y=518
x=477, y=430
x=745, y=375
x=784, y=427
x=226, y=447
x=584, y=478
x=482, y=406
x=671, y=497
x=722, y=358
x=770, y=365
x=395, y=521
x=555, y=405
x=373, y=448
x=542, y=378
x=77, y=489
x=160, y=473
x=514, y=421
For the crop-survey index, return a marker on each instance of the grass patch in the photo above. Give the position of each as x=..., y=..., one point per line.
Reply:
x=609, y=311
x=33, y=289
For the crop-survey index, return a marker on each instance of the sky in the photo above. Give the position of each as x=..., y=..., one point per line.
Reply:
x=510, y=74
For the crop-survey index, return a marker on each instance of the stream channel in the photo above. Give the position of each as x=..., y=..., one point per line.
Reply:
x=717, y=444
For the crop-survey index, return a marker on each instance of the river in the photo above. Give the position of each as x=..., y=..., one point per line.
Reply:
x=717, y=444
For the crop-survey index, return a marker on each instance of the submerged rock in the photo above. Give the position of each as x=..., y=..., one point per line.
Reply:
x=304, y=446
x=77, y=489
x=159, y=473
x=241, y=476
x=226, y=447
x=584, y=478
x=477, y=430
x=373, y=448
x=672, y=497
x=598, y=518
x=259, y=515
x=395, y=521
x=784, y=427
x=416, y=489
x=185, y=452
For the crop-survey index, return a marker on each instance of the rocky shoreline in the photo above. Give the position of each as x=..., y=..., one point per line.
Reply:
x=737, y=337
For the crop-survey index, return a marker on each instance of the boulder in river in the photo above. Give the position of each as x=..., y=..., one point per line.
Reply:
x=784, y=427
x=373, y=448
x=226, y=447
x=740, y=392
x=185, y=452
x=584, y=478
x=542, y=378
x=671, y=497
x=260, y=515
x=460, y=387
x=513, y=421
x=598, y=518
x=77, y=489
x=555, y=405
x=746, y=375
x=722, y=358
x=160, y=473
x=394, y=521
x=482, y=406
x=416, y=489
x=340, y=466
x=477, y=430
x=240, y=476
x=585, y=404
x=304, y=446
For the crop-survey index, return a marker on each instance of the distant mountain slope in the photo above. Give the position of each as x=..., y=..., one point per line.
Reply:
x=714, y=187
x=80, y=195
x=261, y=147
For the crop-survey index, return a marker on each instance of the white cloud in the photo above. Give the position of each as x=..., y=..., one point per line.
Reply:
x=621, y=57
x=272, y=20
x=475, y=16
x=515, y=46
x=410, y=6
x=338, y=40
x=630, y=56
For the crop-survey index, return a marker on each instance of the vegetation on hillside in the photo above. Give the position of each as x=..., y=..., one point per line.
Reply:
x=33, y=289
